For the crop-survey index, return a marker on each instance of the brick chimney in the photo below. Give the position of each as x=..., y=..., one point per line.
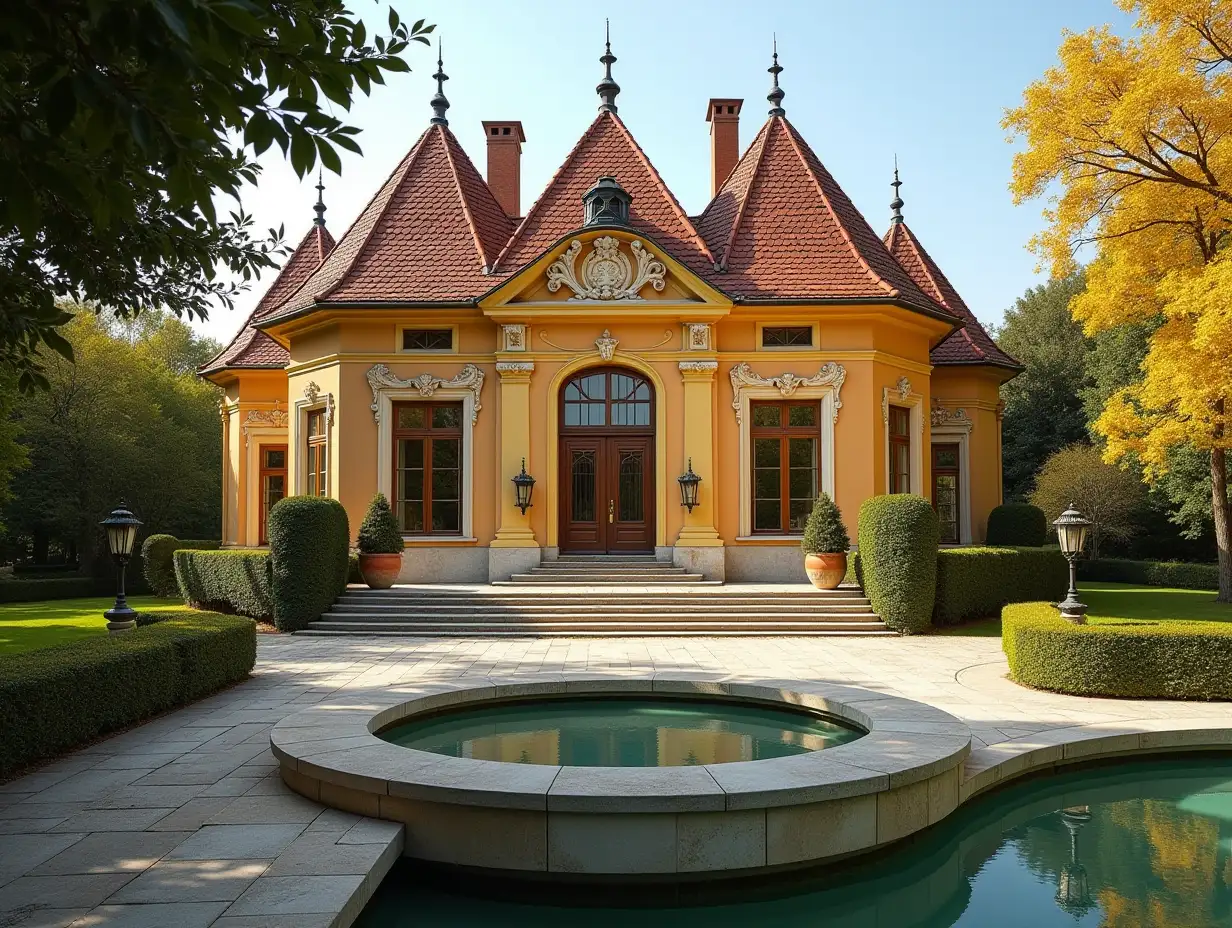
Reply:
x=505, y=140
x=723, y=114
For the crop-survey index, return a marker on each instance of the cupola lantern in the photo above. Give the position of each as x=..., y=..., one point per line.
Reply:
x=607, y=203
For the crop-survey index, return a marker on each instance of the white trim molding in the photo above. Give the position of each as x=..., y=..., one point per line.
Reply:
x=313, y=400
x=388, y=389
x=950, y=427
x=903, y=395
x=747, y=386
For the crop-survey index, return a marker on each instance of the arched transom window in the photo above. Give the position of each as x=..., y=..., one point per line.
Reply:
x=608, y=398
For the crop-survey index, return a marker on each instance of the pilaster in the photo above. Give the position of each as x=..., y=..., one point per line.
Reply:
x=514, y=530
x=698, y=375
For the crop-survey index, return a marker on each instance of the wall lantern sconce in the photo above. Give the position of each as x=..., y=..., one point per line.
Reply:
x=1072, y=535
x=121, y=528
x=523, y=487
x=688, y=487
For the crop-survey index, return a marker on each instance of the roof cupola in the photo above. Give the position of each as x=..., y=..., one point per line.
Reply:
x=776, y=94
x=439, y=103
x=606, y=203
x=607, y=88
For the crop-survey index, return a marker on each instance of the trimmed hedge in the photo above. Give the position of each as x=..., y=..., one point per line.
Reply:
x=310, y=541
x=974, y=583
x=1146, y=660
x=897, y=567
x=1151, y=573
x=159, y=565
x=237, y=581
x=1017, y=525
x=54, y=699
x=28, y=591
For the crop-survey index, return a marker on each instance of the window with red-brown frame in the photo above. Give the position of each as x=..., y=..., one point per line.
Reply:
x=427, y=468
x=786, y=457
x=900, y=449
x=316, y=456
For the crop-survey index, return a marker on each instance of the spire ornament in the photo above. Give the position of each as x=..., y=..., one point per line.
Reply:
x=319, y=209
x=776, y=94
x=607, y=88
x=897, y=203
x=439, y=103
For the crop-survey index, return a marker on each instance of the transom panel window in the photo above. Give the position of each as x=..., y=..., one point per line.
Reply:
x=427, y=339
x=787, y=336
x=900, y=449
x=315, y=453
x=428, y=468
x=273, y=477
x=607, y=398
x=786, y=470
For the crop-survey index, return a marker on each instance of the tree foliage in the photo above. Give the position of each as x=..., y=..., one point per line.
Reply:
x=1133, y=134
x=120, y=121
x=1111, y=497
x=129, y=420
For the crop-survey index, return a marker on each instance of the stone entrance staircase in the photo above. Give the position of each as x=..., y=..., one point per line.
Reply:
x=589, y=597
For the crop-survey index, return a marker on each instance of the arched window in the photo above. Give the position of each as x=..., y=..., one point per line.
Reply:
x=609, y=398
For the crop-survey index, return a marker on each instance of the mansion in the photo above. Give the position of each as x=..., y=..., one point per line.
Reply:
x=606, y=343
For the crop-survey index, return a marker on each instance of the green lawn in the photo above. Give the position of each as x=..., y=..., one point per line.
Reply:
x=1116, y=602
x=26, y=626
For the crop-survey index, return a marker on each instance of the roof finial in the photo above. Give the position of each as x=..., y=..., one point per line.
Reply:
x=607, y=88
x=897, y=203
x=776, y=94
x=319, y=209
x=439, y=103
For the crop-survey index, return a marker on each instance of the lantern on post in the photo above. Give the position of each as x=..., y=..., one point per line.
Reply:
x=688, y=487
x=121, y=528
x=1072, y=530
x=523, y=487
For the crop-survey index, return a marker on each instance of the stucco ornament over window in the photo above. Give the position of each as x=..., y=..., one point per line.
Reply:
x=831, y=374
x=381, y=377
x=273, y=418
x=941, y=416
x=607, y=273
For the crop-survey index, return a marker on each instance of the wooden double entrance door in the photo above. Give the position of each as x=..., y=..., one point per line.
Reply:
x=607, y=468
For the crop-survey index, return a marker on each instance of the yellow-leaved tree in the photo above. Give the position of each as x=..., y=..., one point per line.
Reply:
x=1131, y=141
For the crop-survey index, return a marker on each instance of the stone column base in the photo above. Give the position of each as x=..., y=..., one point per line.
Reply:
x=503, y=563
x=710, y=562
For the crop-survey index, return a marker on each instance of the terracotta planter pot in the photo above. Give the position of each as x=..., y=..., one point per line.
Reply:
x=380, y=571
x=826, y=571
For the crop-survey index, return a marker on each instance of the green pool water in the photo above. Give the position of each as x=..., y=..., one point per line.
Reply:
x=1146, y=844
x=614, y=732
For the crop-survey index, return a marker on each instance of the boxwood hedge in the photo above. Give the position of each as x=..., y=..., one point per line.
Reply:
x=897, y=566
x=1017, y=525
x=1151, y=573
x=1149, y=660
x=28, y=591
x=974, y=583
x=159, y=565
x=236, y=581
x=54, y=699
x=310, y=542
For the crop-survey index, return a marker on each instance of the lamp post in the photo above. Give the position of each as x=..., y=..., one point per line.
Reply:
x=1073, y=886
x=688, y=487
x=121, y=528
x=523, y=487
x=1072, y=535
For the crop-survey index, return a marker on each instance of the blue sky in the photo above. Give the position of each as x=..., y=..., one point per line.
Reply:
x=864, y=80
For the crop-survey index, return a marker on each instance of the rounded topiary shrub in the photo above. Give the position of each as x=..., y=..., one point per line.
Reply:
x=899, y=537
x=1017, y=525
x=825, y=533
x=310, y=547
x=379, y=533
x=158, y=563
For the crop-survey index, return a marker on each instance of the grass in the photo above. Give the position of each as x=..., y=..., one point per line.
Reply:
x=1118, y=602
x=28, y=626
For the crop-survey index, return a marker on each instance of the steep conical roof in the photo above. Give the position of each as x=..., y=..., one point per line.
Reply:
x=606, y=148
x=969, y=345
x=780, y=227
x=252, y=348
x=430, y=234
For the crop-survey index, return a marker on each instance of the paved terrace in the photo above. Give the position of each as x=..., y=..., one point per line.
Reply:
x=183, y=821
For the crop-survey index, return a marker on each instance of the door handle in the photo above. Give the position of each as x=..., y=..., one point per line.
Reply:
x=611, y=510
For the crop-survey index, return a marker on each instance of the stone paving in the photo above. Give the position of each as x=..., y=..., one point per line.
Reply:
x=184, y=822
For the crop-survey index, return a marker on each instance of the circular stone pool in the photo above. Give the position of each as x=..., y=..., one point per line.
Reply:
x=613, y=732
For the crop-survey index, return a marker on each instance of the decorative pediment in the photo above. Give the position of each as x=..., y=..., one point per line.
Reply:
x=830, y=375
x=943, y=417
x=607, y=273
x=275, y=418
x=380, y=377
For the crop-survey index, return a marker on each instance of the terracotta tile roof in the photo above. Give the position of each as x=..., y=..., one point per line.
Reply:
x=782, y=228
x=251, y=348
x=969, y=345
x=606, y=148
x=430, y=234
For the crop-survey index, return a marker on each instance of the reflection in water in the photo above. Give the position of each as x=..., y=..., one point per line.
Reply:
x=621, y=733
x=1142, y=845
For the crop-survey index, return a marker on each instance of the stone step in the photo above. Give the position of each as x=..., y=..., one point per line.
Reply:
x=607, y=558
x=433, y=618
x=584, y=577
x=663, y=566
x=675, y=628
x=571, y=607
x=712, y=593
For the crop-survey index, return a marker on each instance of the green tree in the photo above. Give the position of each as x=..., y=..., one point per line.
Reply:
x=1043, y=404
x=1113, y=498
x=120, y=121
x=128, y=420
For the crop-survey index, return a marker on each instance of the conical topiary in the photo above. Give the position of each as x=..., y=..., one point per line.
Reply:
x=824, y=533
x=379, y=534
